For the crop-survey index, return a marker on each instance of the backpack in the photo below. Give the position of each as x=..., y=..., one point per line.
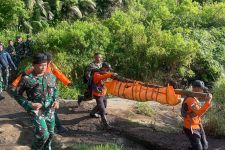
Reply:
x=88, y=74
x=184, y=109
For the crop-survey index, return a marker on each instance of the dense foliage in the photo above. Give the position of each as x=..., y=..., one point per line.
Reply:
x=159, y=41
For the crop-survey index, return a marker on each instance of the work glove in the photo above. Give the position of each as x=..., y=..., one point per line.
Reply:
x=114, y=75
x=209, y=97
x=15, y=68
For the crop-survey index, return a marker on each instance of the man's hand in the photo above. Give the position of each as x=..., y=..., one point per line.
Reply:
x=36, y=106
x=208, y=97
x=114, y=76
x=55, y=105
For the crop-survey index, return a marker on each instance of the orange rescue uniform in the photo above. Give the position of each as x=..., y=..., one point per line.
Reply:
x=98, y=81
x=195, y=107
x=51, y=68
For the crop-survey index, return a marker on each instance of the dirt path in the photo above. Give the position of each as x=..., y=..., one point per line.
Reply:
x=132, y=131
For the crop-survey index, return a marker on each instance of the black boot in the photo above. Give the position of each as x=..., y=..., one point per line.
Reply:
x=106, y=123
x=61, y=129
x=94, y=113
x=1, y=97
x=80, y=98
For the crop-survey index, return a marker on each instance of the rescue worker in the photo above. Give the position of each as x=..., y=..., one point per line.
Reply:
x=87, y=79
x=41, y=101
x=192, y=112
x=6, y=58
x=99, y=92
x=60, y=128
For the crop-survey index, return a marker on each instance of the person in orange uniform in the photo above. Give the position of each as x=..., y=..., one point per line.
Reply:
x=99, y=92
x=192, y=111
x=51, y=68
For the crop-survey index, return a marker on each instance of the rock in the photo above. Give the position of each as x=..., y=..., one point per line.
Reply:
x=9, y=134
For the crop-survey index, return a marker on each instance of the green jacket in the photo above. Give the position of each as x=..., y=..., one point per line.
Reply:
x=39, y=89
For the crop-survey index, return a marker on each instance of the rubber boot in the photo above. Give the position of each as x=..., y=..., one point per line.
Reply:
x=105, y=123
x=80, y=98
x=1, y=97
x=93, y=113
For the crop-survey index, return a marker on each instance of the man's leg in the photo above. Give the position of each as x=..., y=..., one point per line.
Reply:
x=40, y=131
x=203, y=138
x=1, y=86
x=105, y=101
x=101, y=108
x=194, y=138
x=58, y=125
x=94, y=112
x=6, y=78
x=87, y=95
x=50, y=121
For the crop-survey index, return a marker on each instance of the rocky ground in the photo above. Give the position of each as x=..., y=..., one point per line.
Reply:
x=161, y=131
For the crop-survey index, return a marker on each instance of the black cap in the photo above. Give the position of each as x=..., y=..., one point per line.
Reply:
x=106, y=65
x=200, y=84
x=49, y=55
x=39, y=58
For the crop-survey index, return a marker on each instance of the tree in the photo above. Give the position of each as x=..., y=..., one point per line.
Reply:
x=10, y=12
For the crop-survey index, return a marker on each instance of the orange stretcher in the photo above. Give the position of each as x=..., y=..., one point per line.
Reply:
x=142, y=92
x=51, y=68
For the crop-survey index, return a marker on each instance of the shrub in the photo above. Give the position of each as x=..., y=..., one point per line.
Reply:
x=144, y=108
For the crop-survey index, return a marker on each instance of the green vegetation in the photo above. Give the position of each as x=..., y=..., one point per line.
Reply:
x=97, y=147
x=144, y=108
x=215, y=120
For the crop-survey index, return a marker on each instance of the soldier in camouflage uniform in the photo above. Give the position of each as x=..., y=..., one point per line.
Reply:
x=41, y=101
x=91, y=68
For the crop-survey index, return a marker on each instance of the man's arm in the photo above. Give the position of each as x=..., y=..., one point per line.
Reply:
x=18, y=94
x=198, y=110
x=59, y=75
x=10, y=60
x=98, y=76
x=2, y=61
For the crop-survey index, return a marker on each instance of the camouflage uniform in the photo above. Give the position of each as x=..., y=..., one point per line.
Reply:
x=39, y=89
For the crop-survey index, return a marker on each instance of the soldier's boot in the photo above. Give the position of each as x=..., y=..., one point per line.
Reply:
x=93, y=113
x=47, y=144
x=1, y=97
x=106, y=124
x=61, y=129
x=80, y=98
